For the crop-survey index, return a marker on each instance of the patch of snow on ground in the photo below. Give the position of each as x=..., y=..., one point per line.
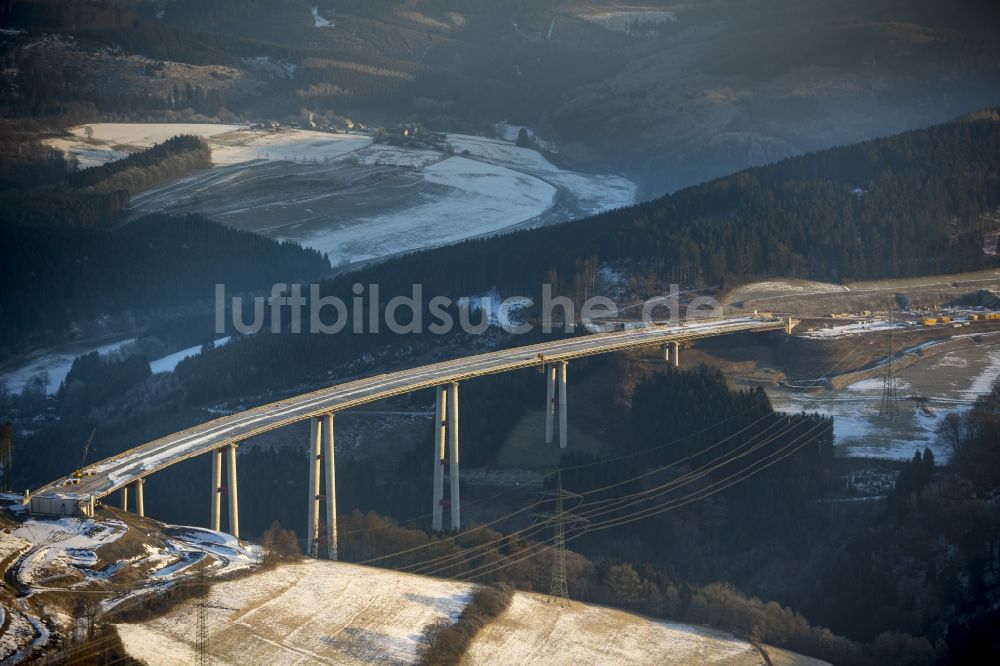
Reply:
x=943, y=384
x=10, y=544
x=594, y=193
x=230, y=144
x=17, y=638
x=855, y=328
x=56, y=364
x=64, y=551
x=950, y=360
x=313, y=611
x=65, y=542
x=875, y=384
x=536, y=631
x=293, y=145
x=501, y=311
x=983, y=382
x=319, y=21
x=169, y=363
x=477, y=199
x=380, y=154
x=111, y=141
x=86, y=156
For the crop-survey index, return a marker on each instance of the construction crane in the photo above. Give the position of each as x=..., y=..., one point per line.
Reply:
x=86, y=449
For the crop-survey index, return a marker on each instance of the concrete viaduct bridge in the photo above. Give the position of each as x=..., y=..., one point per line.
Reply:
x=77, y=493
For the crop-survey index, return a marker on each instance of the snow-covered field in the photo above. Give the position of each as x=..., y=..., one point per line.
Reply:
x=169, y=363
x=355, y=200
x=311, y=612
x=857, y=328
x=593, y=193
x=230, y=144
x=331, y=612
x=459, y=199
x=771, y=289
x=536, y=631
x=112, y=141
x=947, y=382
x=56, y=364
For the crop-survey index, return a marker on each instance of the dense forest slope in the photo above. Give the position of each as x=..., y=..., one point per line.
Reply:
x=53, y=280
x=916, y=203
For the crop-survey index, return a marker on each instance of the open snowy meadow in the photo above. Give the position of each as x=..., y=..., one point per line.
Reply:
x=355, y=200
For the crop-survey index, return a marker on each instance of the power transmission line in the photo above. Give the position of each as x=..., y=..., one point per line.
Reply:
x=558, y=586
x=204, y=658
x=539, y=548
x=889, y=406
x=527, y=532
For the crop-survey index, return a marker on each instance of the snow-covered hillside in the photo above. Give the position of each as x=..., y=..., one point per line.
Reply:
x=118, y=557
x=351, y=198
x=331, y=612
x=311, y=612
x=306, y=612
x=536, y=631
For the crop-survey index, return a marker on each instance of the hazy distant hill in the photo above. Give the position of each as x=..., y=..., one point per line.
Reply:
x=674, y=94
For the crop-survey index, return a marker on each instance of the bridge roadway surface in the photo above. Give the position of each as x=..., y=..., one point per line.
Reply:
x=111, y=474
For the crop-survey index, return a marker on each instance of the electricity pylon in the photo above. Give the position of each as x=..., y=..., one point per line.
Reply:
x=558, y=586
x=889, y=406
x=204, y=658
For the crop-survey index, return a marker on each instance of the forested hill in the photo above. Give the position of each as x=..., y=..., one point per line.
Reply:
x=911, y=204
x=54, y=280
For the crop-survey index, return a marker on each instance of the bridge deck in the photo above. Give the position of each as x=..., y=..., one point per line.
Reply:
x=108, y=475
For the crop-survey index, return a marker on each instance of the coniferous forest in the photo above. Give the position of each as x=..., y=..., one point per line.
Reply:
x=913, y=204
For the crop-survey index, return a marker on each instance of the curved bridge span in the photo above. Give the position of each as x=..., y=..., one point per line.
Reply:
x=77, y=493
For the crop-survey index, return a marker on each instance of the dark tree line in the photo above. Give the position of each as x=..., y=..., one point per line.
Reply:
x=926, y=562
x=144, y=159
x=54, y=276
x=94, y=379
x=93, y=197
